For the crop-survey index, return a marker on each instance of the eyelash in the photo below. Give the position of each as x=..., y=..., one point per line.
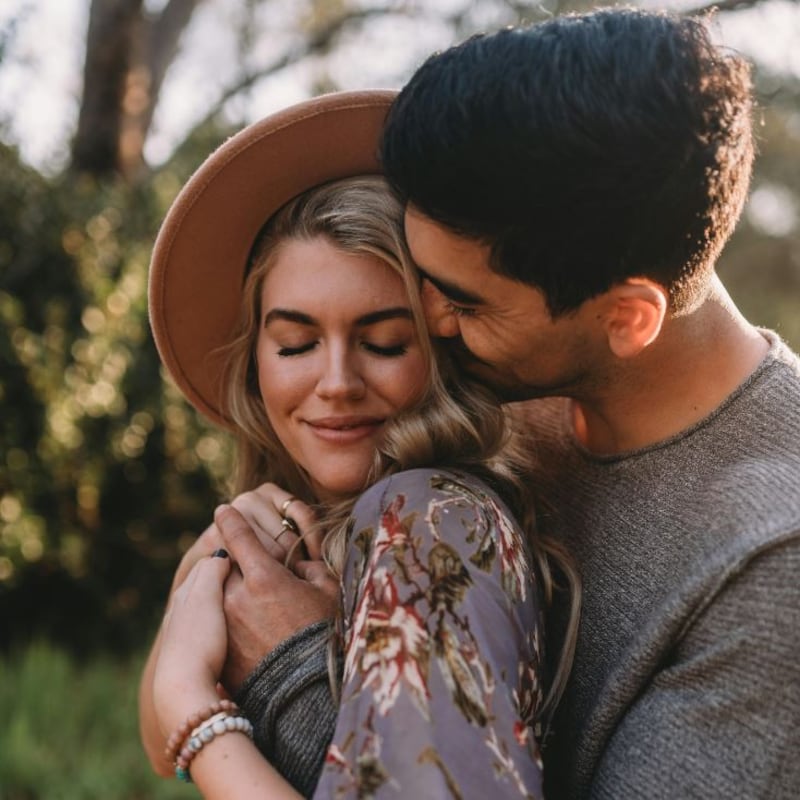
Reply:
x=386, y=352
x=460, y=311
x=286, y=352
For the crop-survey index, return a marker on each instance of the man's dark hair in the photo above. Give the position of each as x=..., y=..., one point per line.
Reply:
x=583, y=150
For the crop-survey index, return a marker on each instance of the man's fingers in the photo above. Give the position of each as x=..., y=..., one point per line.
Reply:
x=243, y=544
x=316, y=572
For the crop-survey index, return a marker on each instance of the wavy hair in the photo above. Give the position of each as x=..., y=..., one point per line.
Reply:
x=456, y=424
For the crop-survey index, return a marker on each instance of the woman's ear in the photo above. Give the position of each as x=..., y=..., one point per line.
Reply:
x=635, y=314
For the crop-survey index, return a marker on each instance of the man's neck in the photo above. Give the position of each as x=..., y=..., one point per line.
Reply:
x=696, y=362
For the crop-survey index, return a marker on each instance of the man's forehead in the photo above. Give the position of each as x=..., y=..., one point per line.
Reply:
x=445, y=258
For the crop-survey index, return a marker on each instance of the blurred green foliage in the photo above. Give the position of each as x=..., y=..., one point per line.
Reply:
x=105, y=473
x=70, y=731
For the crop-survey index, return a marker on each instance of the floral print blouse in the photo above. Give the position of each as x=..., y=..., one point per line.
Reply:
x=441, y=626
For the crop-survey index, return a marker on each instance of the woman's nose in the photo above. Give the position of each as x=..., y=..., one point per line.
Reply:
x=442, y=322
x=341, y=377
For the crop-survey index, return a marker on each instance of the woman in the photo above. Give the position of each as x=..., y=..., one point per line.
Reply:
x=332, y=387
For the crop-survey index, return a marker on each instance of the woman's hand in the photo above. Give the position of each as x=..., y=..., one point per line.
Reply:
x=253, y=629
x=264, y=508
x=193, y=644
x=279, y=520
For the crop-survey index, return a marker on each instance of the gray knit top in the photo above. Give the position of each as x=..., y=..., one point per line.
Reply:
x=686, y=681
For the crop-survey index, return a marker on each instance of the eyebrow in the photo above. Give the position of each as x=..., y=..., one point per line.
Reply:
x=372, y=318
x=451, y=291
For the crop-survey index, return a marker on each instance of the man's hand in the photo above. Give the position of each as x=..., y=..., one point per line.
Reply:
x=265, y=601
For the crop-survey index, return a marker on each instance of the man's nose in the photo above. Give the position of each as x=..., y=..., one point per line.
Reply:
x=442, y=320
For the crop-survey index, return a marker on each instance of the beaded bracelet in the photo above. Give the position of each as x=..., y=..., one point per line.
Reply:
x=214, y=726
x=179, y=736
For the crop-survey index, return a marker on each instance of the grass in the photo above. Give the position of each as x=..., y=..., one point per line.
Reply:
x=68, y=731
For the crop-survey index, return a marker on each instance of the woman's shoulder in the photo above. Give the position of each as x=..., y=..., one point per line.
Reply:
x=425, y=518
x=444, y=511
x=428, y=485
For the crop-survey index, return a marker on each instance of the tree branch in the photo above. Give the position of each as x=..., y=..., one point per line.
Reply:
x=723, y=5
x=317, y=42
x=161, y=39
x=163, y=34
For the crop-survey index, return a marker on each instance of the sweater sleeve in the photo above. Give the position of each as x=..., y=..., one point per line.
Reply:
x=441, y=673
x=722, y=717
x=288, y=699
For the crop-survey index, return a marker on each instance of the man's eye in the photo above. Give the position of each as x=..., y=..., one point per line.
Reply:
x=460, y=311
x=296, y=351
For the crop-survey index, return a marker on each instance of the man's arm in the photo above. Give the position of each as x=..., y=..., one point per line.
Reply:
x=278, y=622
x=722, y=719
x=288, y=697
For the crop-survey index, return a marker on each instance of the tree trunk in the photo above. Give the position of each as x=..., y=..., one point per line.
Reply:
x=114, y=26
x=128, y=54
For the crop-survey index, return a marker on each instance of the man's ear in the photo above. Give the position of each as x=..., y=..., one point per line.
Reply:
x=634, y=315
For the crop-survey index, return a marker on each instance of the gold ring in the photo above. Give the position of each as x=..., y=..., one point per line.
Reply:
x=284, y=528
x=285, y=505
x=288, y=524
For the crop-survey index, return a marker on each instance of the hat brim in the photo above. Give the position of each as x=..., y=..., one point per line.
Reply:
x=200, y=256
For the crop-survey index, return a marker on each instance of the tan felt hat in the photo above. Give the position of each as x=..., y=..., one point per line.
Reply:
x=201, y=253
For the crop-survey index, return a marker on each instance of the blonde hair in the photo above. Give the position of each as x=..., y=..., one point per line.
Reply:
x=457, y=423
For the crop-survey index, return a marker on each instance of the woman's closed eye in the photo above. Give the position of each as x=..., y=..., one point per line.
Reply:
x=385, y=351
x=297, y=350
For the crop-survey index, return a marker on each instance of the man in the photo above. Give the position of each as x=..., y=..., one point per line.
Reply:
x=569, y=187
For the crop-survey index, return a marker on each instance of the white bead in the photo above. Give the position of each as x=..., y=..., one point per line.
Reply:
x=219, y=727
x=230, y=723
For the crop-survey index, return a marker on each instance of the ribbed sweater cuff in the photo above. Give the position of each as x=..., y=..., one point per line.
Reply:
x=287, y=697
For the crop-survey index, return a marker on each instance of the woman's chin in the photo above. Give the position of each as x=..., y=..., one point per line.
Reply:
x=333, y=489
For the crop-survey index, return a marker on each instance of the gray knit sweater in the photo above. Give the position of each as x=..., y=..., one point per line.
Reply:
x=686, y=681
x=288, y=699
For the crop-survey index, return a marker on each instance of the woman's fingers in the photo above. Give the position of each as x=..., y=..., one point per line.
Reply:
x=194, y=640
x=204, y=545
x=204, y=583
x=264, y=521
x=278, y=519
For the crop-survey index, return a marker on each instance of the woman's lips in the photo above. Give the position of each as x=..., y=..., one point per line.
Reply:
x=345, y=430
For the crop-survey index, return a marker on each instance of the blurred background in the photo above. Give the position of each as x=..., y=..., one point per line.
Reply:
x=106, y=475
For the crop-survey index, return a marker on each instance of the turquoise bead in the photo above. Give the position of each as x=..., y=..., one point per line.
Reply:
x=182, y=774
